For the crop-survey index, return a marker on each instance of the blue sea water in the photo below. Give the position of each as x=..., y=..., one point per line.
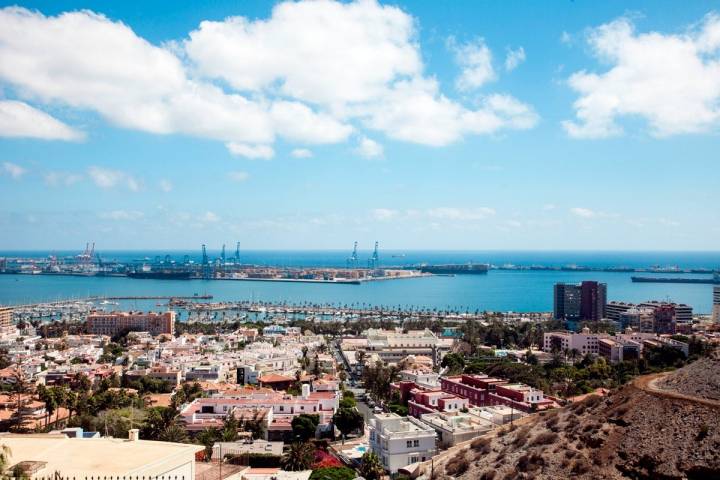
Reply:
x=499, y=290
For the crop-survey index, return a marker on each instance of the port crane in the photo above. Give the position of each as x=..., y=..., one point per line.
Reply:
x=375, y=260
x=237, y=254
x=352, y=261
x=205, y=263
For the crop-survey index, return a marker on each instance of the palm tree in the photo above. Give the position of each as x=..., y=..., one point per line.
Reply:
x=300, y=456
x=5, y=455
x=370, y=466
x=174, y=433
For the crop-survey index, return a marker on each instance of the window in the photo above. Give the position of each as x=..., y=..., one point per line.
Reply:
x=409, y=444
x=416, y=443
x=282, y=409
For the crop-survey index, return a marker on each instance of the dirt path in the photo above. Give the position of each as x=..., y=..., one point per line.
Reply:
x=647, y=383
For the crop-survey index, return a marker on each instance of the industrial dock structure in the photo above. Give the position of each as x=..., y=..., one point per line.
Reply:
x=224, y=267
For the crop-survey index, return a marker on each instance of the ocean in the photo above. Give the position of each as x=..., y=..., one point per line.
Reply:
x=499, y=290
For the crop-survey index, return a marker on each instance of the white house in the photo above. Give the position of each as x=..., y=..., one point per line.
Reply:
x=401, y=441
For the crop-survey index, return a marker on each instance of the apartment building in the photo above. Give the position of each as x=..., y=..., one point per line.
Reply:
x=668, y=317
x=716, y=304
x=6, y=321
x=583, y=301
x=393, y=346
x=584, y=342
x=618, y=350
x=482, y=390
x=277, y=408
x=456, y=427
x=639, y=319
x=429, y=401
x=113, y=323
x=401, y=441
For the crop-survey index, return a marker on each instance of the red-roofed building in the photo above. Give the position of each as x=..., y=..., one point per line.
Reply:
x=275, y=381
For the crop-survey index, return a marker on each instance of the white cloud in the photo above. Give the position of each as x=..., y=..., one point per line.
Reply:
x=565, y=38
x=384, y=214
x=108, y=178
x=549, y=206
x=67, y=179
x=322, y=52
x=296, y=121
x=312, y=73
x=514, y=58
x=369, y=148
x=239, y=176
x=301, y=153
x=583, y=212
x=140, y=86
x=15, y=171
x=475, y=60
x=262, y=152
x=448, y=213
x=416, y=111
x=126, y=215
x=210, y=217
x=672, y=81
x=165, y=185
x=355, y=61
x=18, y=119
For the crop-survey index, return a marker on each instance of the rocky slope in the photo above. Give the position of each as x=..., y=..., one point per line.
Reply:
x=633, y=433
x=700, y=379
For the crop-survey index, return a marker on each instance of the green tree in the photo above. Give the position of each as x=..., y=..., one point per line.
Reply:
x=370, y=466
x=157, y=421
x=300, y=456
x=333, y=473
x=304, y=426
x=174, y=433
x=454, y=362
x=229, y=432
x=207, y=438
x=347, y=420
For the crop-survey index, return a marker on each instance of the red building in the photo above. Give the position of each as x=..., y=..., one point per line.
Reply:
x=483, y=391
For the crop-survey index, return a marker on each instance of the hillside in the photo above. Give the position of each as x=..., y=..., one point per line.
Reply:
x=637, y=432
x=699, y=379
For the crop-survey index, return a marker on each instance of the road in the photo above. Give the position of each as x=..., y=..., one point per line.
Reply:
x=646, y=383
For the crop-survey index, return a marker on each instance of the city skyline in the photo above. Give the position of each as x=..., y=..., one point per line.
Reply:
x=308, y=125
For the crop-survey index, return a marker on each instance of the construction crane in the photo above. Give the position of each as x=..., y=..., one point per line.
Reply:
x=352, y=261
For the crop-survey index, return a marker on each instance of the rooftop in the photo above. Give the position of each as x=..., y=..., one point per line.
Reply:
x=110, y=456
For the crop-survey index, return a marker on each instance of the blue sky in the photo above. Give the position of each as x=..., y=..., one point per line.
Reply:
x=488, y=125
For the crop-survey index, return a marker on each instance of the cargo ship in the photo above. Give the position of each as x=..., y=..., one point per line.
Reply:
x=161, y=274
x=456, y=268
x=715, y=280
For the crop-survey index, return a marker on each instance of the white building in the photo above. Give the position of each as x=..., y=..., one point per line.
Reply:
x=45, y=455
x=401, y=441
x=716, y=304
x=421, y=378
x=584, y=342
x=392, y=346
x=456, y=427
